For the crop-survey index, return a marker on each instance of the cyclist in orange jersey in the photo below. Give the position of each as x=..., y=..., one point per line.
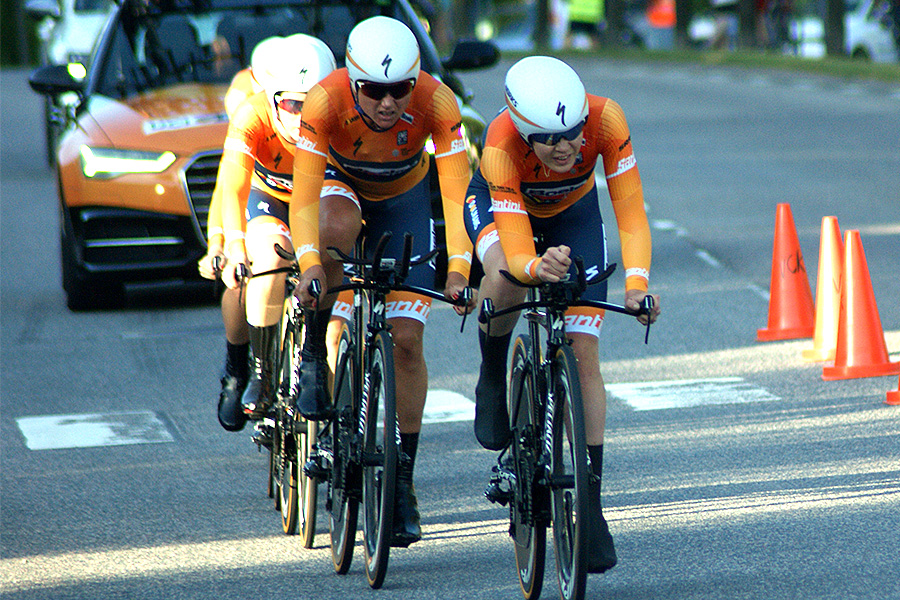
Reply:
x=536, y=181
x=361, y=156
x=237, y=341
x=255, y=182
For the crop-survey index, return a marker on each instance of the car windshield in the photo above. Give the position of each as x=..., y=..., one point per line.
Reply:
x=155, y=43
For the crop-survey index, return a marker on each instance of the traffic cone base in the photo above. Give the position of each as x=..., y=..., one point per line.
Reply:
x=818, y=354
x=782, y=333
x=893, y=397
x=791, y=309
x=861, y=348
x=832, y=373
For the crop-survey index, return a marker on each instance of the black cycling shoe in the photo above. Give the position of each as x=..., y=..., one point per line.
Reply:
x=491, y=415
x=602, y=554
x=231, y=415
x=407, y=525
x=255, y=403
x=314, y=401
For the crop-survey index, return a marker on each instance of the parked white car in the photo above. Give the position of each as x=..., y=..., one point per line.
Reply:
x=866, y=33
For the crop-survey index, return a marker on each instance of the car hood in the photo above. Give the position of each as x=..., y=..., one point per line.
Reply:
x=185, y=119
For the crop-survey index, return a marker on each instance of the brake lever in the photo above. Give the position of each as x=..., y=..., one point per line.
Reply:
x=463, y=299
x=647, y=307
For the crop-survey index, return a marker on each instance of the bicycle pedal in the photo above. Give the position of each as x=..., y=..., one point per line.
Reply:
x=262, y=436
x=314, y=470
x=496, y=494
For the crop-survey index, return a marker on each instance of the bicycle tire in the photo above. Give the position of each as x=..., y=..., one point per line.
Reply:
x=529, y=535
x=308, y=491
x=288, y=471
x=343, y=503
x=380, y=457
x=569, y=477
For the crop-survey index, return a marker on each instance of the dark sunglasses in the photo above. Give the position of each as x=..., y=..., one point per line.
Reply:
x=288, y=105
x=377, y=91
x=552, y=139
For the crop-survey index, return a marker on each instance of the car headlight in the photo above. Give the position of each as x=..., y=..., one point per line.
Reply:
x=105, y=163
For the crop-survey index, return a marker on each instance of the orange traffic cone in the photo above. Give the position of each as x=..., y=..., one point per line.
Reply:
x=828, y=292
x=893, y=397
x=791, y=311
x=861, y=349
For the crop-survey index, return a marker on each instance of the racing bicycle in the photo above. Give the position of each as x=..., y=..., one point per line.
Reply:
x=544, y=474
x=287, y=436
x=360, y=455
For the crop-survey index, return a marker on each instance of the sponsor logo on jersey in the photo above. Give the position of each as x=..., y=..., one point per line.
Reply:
x=402, y=137
x=624, y=165
x=412, y=309
x=304, y=143
x=473, y=211
x=237, y=145
x=583, y=323
x=406, y=118
x=507, y=206
x=457, y=146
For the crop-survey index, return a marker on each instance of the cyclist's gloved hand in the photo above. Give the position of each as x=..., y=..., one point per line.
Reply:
x=212, y=262
x=235, y=271
x=554, y=264
x=633, y=300
x=456, y=284
x=302, y=291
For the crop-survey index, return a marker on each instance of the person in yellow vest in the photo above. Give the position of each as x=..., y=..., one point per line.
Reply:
x=585, y=17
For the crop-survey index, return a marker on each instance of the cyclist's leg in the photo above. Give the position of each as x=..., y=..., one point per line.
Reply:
x=236, y=371
x=266, y=226
x=339, y=225
x=407, y=314
x=581, y=228
x=491, y=418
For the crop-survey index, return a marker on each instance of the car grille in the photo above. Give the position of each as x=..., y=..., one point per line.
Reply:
x=200, y=178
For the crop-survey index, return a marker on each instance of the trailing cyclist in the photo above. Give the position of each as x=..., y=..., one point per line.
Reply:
x=256, y=189
x=536, y=181
x=361, y=156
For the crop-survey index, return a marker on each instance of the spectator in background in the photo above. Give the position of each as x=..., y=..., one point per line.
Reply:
x=726, y=24
x=585, y=17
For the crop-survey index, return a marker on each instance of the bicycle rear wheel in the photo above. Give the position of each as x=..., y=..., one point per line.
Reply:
x=528, y=532
x=343, y=487
x=569, y=478
x=380, y=456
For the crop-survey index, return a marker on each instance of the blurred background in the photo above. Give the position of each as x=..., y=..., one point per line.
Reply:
x=57, y=31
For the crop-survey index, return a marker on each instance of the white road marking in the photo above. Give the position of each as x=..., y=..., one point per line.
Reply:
x=688, y=393
x=54, y=432
x=444, y=406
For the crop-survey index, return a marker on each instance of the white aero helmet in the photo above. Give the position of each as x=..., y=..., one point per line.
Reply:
x=382, y=50
x=544, y=96
x=291, y=64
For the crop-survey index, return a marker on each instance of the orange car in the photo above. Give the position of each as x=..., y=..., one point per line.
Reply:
x=138, y=159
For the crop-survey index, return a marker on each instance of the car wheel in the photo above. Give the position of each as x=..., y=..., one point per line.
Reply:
x=83, y=293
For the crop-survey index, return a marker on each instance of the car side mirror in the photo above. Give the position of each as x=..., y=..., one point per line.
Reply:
x=54, y=80
x=39, y=9
x=472, y=54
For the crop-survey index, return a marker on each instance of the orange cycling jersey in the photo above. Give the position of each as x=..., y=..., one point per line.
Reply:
x=381, y=164
x=242, y=85
x=521, y=185
x=254, y=154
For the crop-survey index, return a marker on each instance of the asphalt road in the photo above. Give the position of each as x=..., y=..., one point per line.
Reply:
x=733, y=470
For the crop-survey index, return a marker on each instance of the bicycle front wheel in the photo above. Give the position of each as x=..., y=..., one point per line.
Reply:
x=569, y=477
x=380, y=457
x=343, y=485
x=308, y=487
x=529, y=531
x=288, y=473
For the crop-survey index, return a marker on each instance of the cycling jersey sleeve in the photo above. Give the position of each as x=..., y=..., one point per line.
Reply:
x=626, y=193
x=510, y=215
x=454, y=173
x=310, y=160
x=235, y=173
